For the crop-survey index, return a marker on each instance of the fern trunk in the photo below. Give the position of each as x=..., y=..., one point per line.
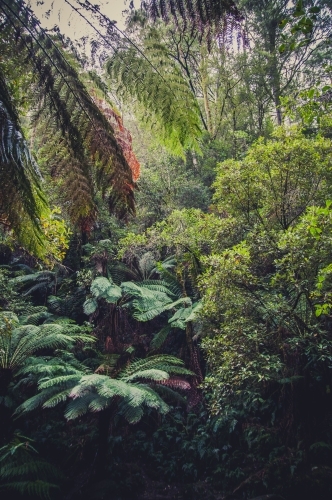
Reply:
x=104, y=424
x=5, y=379
x=5, y=412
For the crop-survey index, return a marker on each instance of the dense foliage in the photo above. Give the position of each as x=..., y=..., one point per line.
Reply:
x=178, y=345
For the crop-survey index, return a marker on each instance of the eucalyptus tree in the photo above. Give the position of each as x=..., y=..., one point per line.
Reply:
x=282, y=58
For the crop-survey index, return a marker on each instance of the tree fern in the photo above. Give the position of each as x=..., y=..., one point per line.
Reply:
x=202, y=13
x=21, y=198
x=79, y=141
x=170, y=107
x=93, y=392
x=17, y=343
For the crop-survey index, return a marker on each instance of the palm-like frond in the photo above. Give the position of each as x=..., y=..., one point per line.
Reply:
x=160, y=337
x=92, y=392
x=17, y=343
x=210, y=17
x=21, y=200
x=170, y=107
x=40, y=280
x=79, y=142
x=164, y=269
x=159, y=286
x=158, y=362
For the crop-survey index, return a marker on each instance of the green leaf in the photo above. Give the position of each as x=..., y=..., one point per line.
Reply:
x=113, y=294
x=99, y=286
x=283, y=23
x=282, y=48
x=90, y=306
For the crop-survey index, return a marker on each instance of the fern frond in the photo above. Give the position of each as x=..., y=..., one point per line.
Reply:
x=151, y=374
x=169, y=394
x=79, y=406
x=170, y=107
x=132, y=414
x=34, y=402
x=176, y=383
x=159, y=286
x=160, y=337
x=21, y=201
x=148, y=363
x=17, y=344
x=163, y=268
x=39, y=315
x=79, y=141
x=63, y=380
x=36, y=489
x=103, y=288
x=209, y=17
x=185, y=301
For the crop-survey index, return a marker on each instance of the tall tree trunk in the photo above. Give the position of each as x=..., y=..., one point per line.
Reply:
x=204, y=83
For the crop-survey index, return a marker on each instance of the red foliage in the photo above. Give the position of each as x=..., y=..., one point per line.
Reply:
x=122, y=136
x=176, y=383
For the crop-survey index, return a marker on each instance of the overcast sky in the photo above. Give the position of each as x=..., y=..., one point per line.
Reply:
x=69, y=22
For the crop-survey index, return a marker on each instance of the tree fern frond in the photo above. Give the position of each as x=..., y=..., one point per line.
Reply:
x=80, y=141
x=169, y=393
x=31, y=467
x=163, y=268
x=159, y=286
x=170, y=107
x=79, y=406
x=21, y=200
x=39, y=315
x=57, y=398
x=90, y=306
x=149, y=363
x=153, y=310
x=63, y=380
x=103, y=288
x=98, y=403
x=151, y=374
x=132, y=414
x=185, y=301
x=210, y=17
x=176, y=383
x=153, y=400
x=160, y=337
x=17, y=344
x=32, y=403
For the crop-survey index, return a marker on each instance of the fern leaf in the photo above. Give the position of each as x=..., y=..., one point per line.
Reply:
x=151, y=374
x=160, y=337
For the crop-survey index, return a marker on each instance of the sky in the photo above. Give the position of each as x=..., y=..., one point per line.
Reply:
x=69, y=22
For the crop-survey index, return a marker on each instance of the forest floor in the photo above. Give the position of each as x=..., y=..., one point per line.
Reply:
x=161, y=490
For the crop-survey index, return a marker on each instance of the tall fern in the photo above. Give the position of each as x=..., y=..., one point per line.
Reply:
x=76, y=140
x=158, y=86
x=21, y=199
x=17, y=343
x=91, y=392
